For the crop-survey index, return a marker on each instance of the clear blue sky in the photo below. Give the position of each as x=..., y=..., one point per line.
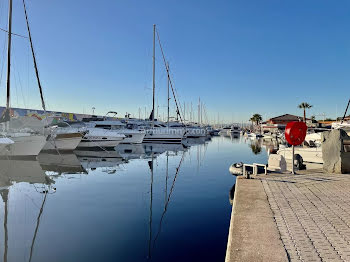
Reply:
x=240, y=57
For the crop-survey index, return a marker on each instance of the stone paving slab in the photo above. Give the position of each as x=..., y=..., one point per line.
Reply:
x=312, y=214
x=253, y=234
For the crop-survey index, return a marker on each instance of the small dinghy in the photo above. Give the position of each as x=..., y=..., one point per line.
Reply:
x=236, y=169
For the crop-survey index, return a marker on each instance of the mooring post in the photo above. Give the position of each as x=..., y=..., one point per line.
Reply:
x=293, y=160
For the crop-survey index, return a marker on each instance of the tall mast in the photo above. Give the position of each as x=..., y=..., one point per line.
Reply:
x=34, y=59
x=199, y=111
x=168, y=96
x=9, y=55
x=154, y=70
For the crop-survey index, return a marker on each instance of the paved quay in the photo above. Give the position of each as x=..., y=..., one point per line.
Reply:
x=310, y=215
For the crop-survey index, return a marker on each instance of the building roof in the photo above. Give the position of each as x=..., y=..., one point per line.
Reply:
x=287, y=117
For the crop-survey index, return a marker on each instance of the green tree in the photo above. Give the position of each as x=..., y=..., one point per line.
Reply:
x=256, y=118
x=304, y=106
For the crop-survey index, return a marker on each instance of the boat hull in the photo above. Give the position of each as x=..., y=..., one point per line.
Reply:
x=133, y=138
x=164, y=136
x=310, y=155
x=63, y=142
x=99, y=142
x=30, y=145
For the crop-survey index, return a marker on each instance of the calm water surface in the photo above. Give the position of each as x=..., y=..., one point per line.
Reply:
x=140, y=203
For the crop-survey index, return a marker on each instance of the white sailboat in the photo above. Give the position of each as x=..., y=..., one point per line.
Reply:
x=25, y=143
x=156, y=133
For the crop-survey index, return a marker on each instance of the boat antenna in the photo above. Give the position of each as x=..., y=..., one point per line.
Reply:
x=346, y=110
x=170, y=82
x=34, y=59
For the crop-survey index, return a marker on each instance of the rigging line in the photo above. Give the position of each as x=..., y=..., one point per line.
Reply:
x=3, y=63
x=34, y=59
x=20, y=85
x=4, y=30
x=167, y=69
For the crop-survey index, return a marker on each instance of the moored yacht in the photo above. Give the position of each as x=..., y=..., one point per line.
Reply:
x=132, y=136
x=63, y=139
x=97, y=137
x=94, y=137
x=235, y=130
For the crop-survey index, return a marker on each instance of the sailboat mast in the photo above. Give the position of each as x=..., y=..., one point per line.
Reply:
x=154, y=70
x=34, y=59
x=9, y=55
x=168, y=96
x=199, y=111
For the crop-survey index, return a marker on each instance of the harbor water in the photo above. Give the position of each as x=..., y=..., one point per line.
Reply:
x=143, y=202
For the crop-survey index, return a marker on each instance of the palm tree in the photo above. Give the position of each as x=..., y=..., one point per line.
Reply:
x=257, y=118
x=304, y=106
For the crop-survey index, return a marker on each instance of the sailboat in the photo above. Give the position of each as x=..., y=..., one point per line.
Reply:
x=161, y=134
x=24, y=143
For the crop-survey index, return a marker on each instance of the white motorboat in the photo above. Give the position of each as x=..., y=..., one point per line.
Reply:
x=225, y=131
x=342, y=125
x=313, y=138
x=309, y=154
x=63, y=141
x=97, y=137
x=235, y=130
x=132, y=136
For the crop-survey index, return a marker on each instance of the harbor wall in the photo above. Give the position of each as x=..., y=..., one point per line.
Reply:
x=253, y=234
x=53, y=116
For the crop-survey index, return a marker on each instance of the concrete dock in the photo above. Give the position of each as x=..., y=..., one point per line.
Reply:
x=284, y=217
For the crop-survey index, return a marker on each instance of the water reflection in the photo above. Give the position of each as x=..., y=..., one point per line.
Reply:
x=106, y=160
x=67, y=163
x=146, y=193
x=255, y=146
x=18, y=171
